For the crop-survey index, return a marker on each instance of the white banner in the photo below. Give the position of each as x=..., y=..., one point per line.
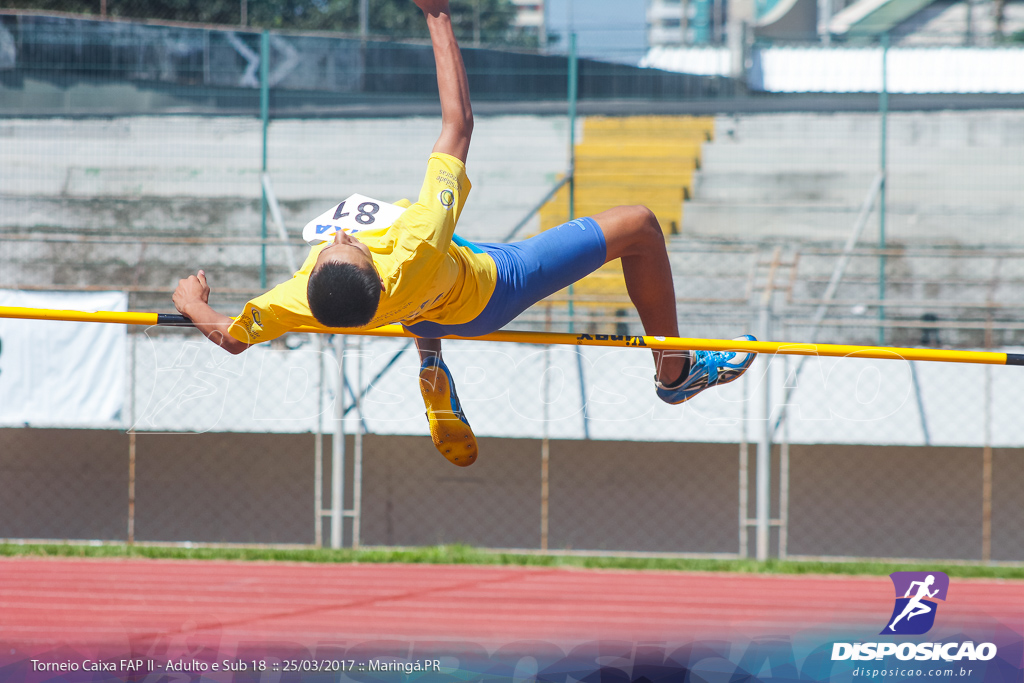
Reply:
x=62, y=374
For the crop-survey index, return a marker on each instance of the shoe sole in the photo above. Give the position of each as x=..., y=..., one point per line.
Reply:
x=709, y=386
x=452, y=437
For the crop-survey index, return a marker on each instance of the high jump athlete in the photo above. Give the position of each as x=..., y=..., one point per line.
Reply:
x=417, y=272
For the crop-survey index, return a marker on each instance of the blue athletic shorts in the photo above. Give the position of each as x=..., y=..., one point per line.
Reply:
x=528, y=271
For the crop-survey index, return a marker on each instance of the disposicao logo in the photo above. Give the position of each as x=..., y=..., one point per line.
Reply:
x=913, y=615
x=914, y=612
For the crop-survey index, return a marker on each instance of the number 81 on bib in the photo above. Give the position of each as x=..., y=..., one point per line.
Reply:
x=352, y=215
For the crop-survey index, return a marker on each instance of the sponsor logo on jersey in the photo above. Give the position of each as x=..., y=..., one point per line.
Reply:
x=447, y=198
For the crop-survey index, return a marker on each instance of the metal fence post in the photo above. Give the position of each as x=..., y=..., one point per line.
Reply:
x=318, y=448
x=986, y=459
x=265, y=120
x=744, y=483
x=545, y=455
x=338, y=449
x=357, y=463
x=572, y=95
x=764, y=446
x=764, y=449
x=883, y=106
x=131, y=439
x=784, y=480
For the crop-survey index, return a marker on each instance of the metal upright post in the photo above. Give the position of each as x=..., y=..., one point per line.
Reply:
x=131, y=439
x=545, y=453
x=542, y=34
x=744, y=464
x=824, y=20
x=764, y=445
x=764, y=450
x=969, y=26
x=883, y=106
x=573, y=95
x=357, y=462
x=318, y=448
x=986, y=458
x=338, y=449
x=265, y=118
x=784, y=481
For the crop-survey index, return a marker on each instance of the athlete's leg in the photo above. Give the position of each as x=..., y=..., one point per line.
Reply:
x=449, y=428
x=908, y=608
x=428, y=348
x=632, y=234
x=918, y=610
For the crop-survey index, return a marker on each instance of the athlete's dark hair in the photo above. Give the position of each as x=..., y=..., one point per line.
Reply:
x=343, y=294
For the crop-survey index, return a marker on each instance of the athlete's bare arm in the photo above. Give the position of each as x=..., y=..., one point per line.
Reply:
x=452, y=83
x=191, y=297
x=910, y=588
x=456, y=109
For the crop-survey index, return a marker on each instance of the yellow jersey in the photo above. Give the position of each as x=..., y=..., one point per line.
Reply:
x=426, y=276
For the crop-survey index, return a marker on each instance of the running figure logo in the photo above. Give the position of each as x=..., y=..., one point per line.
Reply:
x=914, y=612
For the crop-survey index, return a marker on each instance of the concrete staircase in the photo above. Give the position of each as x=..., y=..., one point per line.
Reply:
x=954, y=178
x=79, y=198
x=648, y=160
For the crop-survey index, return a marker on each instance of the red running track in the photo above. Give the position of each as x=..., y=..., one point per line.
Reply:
x=48, y=602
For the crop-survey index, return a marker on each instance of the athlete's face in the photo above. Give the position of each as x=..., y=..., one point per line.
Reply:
x=345, y=249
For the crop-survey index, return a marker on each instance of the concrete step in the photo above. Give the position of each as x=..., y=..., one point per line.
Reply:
x=218, y=217
x=685, y=127
x=608, y=181
x=646, y=167
x=919, y=187
x=809, y=154
x=639, y=150
x=143, y=172
x=833, y=223
x=618, y=194
x=928, y=129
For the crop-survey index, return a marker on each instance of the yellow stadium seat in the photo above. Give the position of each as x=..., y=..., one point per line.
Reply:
x=648, y=160
x=701, y=127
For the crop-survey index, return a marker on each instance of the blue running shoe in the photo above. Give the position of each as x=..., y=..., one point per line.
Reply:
x=708, y=369
x=449, y=428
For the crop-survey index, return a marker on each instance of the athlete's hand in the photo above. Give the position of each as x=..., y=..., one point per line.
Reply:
x=432, y=6
x=191, y=290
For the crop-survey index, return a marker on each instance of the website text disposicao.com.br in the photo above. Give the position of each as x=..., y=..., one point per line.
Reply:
x=906, y=653
x=901, y=673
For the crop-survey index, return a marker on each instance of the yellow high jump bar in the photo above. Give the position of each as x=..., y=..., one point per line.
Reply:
x=613, y=340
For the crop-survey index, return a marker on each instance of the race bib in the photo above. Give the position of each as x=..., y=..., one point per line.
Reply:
x=352, y=215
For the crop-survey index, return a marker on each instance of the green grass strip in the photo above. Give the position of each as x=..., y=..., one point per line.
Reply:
x=459, y=554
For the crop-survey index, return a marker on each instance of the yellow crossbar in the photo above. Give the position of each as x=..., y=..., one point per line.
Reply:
x=622, y=341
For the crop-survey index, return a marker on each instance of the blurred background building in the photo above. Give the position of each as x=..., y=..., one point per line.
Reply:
x=529, y=19
x=680, y=23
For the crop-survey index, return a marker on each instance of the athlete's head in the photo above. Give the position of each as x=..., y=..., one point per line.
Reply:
x=930, y=579
x=344, y=288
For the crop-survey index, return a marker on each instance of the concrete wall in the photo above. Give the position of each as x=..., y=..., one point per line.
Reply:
x=255, y=488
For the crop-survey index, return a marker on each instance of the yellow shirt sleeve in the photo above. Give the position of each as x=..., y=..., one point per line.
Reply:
x=280, y=310
x=431, y=220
